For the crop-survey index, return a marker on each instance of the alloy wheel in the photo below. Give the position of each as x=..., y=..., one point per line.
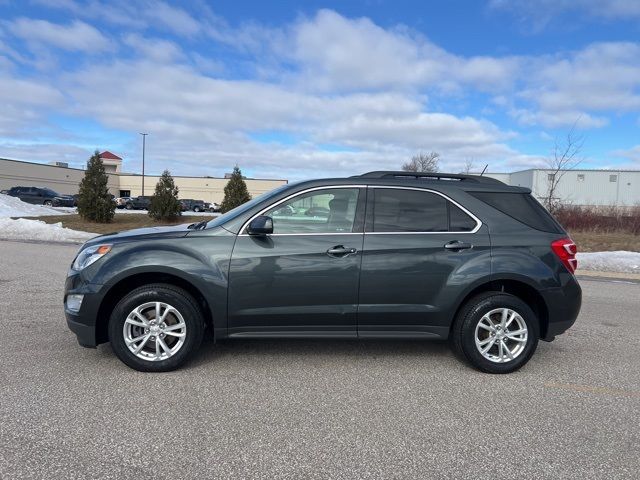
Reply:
x=154, y=331
x=501, y=335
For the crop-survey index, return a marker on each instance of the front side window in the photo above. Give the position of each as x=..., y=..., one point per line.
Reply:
x=330, y=210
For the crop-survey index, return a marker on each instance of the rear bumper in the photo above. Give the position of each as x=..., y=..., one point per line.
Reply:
x=563, y=307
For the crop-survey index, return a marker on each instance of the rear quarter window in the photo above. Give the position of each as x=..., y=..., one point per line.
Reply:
x=521, y=207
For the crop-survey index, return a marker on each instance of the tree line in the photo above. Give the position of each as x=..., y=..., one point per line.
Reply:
x=96, y=204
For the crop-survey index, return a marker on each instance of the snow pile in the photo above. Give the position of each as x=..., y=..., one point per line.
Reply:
x=14, y=207
x=620, y=261
x=25, y=229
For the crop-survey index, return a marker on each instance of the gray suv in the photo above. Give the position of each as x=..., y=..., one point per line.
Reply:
x=397, y=255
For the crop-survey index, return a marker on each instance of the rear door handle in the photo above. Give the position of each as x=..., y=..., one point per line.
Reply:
x=340, y=251
x=456, y=246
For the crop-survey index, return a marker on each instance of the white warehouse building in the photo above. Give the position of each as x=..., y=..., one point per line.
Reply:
x=580, y=187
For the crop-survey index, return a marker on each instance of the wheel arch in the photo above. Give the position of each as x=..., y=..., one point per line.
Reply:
x=132, y=281
x=517, y=287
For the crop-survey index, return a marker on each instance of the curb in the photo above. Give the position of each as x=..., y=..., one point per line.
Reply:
x=613, y=276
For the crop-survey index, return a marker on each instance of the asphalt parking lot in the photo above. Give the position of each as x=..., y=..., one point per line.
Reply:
x=311, y=409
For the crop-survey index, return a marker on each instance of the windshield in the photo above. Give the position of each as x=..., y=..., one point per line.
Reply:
x=51, y=192
x=231, y=214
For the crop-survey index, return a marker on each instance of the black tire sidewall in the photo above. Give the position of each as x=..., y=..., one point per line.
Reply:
x=175, y=297
x=473, y=315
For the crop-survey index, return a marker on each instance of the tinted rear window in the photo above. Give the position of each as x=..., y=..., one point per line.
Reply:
x=459, y=221
x=397, y=210
x=408, y=211
x=522, y=207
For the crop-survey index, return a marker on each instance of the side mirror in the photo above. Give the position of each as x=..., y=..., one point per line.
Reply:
x=261, y=225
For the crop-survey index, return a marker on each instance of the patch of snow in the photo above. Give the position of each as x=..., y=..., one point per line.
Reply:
x=14, y=207
x=619, y=261
x=26, y=229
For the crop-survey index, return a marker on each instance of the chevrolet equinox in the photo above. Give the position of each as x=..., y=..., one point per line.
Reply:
x=394, y=255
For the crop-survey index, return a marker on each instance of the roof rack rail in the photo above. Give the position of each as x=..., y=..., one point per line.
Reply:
x=430, y=176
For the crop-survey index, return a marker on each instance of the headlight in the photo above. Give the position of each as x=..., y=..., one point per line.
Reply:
x=89, y=255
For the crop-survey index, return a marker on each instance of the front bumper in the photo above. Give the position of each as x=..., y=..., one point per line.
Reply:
x=83, y=322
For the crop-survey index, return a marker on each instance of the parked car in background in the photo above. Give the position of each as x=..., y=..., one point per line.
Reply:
x=138, y=203
x=121, y=202
x=41, y=196
x=194, y=205
x=400, y=255
x=212, y=207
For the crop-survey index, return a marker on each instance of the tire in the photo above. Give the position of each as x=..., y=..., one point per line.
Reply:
x=144, y=300
x=469, y=333
x=48, y=203
x=196, y=209
x=128, y=206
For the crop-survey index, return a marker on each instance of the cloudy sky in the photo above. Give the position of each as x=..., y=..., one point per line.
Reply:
x=306, y=89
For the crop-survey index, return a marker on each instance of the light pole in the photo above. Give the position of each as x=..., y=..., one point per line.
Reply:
x=144, y=137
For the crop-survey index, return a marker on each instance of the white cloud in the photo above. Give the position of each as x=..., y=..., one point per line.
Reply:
x=159, y=50
x=200, y=120
x=632, y=154
x=337, y=95
x=23, y=104
x=337, y=52
x=173, y=18
x=77, y=36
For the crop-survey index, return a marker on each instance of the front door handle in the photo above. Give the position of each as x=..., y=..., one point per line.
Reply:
x=456, y=246
x=340, y=251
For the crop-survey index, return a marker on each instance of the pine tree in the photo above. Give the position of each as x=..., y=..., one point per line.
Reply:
x=235, y=192
x=94, y=201
x=164, y=203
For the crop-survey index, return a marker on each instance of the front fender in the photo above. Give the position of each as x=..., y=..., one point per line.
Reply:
x=201, y=261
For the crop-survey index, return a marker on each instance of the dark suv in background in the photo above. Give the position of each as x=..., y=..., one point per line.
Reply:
x=392, y=255
x=41, y=196
x=193, y=205
x=138, y=203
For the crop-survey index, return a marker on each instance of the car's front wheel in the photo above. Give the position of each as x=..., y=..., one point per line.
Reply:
x=495, y=332
x=156, y=328
x=48, y=203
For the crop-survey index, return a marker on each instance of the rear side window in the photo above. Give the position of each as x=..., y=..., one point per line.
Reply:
x=459, y=221
x=397, y=210
x=522, y=207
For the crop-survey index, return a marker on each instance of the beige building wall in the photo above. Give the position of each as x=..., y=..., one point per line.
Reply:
x=14, y=173
x=199, y=188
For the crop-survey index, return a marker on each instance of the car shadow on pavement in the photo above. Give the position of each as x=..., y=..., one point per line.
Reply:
x=320, y=349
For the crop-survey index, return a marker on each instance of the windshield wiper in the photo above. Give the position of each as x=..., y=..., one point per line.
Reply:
x=198, y=226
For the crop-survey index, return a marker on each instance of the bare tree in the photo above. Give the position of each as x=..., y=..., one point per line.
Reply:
x=422, y=162
x=469, y=166
x=565, y=156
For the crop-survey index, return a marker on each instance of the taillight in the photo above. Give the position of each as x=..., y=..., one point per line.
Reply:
x=566, y=251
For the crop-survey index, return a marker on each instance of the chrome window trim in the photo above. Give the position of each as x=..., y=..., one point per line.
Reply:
x=331, y=187
x=393, y=187
x=301, y=192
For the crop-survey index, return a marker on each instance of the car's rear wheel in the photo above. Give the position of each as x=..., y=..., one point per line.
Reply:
x=495, y=332
x=156, y=328
x=196, y=209
x=128, y=206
